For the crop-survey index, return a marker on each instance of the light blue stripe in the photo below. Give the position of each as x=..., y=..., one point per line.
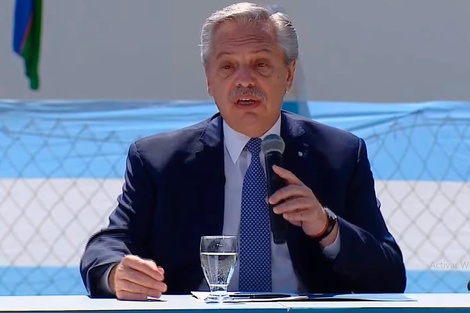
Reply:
x=89, y=139
x=22, y=281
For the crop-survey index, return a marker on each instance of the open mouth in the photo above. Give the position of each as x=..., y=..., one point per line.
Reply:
x=247, y=101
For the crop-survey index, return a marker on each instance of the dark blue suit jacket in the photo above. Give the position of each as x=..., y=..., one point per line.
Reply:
x=174, y=193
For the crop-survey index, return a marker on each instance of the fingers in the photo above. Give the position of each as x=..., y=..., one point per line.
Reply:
x=297, y=203
x=287, y=175
x=290, y=192
x=295, y=187
x=135, y=278
x=299, y=216
x=147, y=267
x=127, y=295
x=293, y=205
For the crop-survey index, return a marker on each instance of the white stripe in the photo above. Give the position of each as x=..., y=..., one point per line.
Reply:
x=46, y=222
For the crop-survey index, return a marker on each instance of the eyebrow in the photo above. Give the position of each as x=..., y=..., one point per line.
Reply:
x=220, y=54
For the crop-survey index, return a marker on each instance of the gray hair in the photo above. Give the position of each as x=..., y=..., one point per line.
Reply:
x=249, y=12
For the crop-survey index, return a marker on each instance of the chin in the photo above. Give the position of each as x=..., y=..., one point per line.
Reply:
x=253, y=128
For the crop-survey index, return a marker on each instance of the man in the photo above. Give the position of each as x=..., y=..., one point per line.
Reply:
x=192, y=182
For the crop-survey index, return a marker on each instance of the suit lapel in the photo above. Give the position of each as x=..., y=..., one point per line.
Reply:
x=301, y=153
x=292, y=133
x=209, y=157
x=297, y=157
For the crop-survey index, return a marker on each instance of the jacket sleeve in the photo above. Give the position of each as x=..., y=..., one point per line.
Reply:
x=369, y=257
x=127, y=226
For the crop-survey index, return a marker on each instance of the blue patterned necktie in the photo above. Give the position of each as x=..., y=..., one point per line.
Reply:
x=255, y=236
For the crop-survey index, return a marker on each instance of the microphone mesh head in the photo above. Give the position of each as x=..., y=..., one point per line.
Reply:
x=271, y=143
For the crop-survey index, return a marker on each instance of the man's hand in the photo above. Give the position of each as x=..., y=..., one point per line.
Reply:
x=298, y=205
x=136, y=279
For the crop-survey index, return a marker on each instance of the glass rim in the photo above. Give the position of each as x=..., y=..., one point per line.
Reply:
x=219, y=237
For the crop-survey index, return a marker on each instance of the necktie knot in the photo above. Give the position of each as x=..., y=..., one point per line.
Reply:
x=254, y=146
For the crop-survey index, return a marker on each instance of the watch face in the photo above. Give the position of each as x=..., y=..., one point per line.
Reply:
x=330, y=213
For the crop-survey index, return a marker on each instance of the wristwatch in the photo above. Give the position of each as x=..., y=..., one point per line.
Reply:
x=330, y=225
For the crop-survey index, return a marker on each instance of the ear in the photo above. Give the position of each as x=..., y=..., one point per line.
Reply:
x=290, y=75
x=208, y=82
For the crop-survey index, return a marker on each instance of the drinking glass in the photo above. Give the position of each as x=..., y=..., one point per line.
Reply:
x=218, y=258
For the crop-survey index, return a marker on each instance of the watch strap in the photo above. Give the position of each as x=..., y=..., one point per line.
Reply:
x=330, y=225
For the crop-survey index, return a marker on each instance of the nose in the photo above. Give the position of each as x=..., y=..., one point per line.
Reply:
x=245, y=77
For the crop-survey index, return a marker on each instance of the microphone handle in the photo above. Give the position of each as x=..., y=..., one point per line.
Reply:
x=274, y=183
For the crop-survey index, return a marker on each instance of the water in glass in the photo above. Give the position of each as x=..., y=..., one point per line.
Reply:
x=218, y=258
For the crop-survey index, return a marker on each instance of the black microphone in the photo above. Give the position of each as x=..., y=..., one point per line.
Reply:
x=273, y=147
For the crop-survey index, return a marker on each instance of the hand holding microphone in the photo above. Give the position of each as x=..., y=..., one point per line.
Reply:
x=289, y=199
x=273, y=148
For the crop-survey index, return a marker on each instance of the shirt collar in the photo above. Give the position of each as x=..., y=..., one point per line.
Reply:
x=235, y=141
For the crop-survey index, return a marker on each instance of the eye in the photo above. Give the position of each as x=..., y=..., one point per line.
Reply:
x=226, y=69
x=262, y=64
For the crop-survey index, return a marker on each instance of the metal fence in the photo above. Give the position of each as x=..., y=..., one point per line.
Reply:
x=60, y=176
x=425, y=191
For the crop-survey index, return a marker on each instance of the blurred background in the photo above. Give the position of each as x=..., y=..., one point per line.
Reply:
x=362, y=50
x=393, y=72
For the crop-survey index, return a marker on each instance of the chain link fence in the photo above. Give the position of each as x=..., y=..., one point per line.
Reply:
x=425, y=191
x=61, y=171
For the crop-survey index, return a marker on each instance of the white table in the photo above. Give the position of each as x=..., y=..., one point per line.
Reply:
x=445, y=303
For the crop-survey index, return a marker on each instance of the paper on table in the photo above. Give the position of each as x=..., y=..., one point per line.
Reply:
x=361, y=297
x=255, y=297
x=266, y=297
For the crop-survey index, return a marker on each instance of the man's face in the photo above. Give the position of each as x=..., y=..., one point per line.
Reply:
x=247, y=76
